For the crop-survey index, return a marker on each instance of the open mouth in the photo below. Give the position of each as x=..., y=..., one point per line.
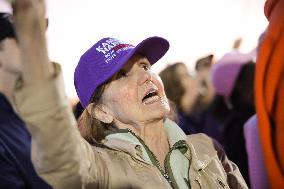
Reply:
x=150, y=97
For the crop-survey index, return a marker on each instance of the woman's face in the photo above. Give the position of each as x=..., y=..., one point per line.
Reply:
x=191, y=89
x=136, y=94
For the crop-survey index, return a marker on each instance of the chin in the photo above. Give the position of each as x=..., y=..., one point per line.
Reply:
x=158, y=110
x=163, y=113
x=166, y=107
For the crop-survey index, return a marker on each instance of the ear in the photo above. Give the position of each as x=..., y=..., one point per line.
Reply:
x=100, y=112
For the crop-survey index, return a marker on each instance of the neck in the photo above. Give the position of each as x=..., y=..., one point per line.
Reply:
x=7, y=84
x=154, y=136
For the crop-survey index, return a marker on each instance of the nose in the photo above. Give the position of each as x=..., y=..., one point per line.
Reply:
x=144, y=76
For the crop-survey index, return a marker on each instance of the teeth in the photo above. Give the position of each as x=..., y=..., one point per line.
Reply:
x=152, y=94
x=151, y=99
x=149, y=94
x=151, y=91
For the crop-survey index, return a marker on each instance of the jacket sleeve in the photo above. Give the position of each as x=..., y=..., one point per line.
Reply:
x=59, y=154
x=9, y=176
x=234, y=177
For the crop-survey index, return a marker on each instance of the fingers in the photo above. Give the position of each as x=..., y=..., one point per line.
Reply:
x=28, y=10
x=30, y=26
x=29, y=18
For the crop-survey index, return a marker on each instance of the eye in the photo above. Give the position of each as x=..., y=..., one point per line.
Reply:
x=145, y=66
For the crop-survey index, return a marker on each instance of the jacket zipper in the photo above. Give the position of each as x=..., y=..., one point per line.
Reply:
x=153, y=159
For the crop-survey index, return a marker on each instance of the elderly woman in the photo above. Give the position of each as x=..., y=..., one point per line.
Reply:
x=132, y=144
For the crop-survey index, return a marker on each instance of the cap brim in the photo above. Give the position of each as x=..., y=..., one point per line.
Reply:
x=154, y=48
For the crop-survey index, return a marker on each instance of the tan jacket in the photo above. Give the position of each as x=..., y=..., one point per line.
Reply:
x=65, y=160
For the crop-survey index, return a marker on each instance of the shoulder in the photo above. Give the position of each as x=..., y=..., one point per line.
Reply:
x=107, y=153
x=199, y=138
x=202, y=143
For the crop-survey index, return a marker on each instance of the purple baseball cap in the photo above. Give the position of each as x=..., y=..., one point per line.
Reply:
x=108, y=56
x=226, y=71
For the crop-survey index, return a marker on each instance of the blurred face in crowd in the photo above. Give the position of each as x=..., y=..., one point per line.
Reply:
x=206, y=88
x=191, y=89
x=135, y=94
x=10, y=56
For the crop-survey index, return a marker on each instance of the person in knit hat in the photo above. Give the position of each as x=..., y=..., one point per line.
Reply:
x=233, y=82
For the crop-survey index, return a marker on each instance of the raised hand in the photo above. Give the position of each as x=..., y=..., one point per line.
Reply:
x=30, y=27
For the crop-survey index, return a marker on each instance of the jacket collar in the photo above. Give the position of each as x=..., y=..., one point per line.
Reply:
x=177, y=161
x=174, y=132
x=125, y=140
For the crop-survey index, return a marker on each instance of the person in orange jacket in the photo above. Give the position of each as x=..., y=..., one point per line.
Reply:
x=269, y=91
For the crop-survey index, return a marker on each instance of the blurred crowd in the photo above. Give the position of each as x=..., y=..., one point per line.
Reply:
x=236, y=99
